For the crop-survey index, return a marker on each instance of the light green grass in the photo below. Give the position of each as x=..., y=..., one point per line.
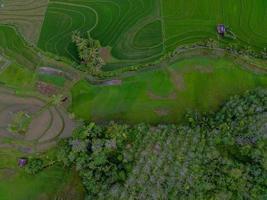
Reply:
x=164, y=95
x=52, y=79
x=26, y=187
x=20, y=123
x=16, y=184
x=17, y=76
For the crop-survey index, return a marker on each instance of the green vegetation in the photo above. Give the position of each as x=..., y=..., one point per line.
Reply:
x=151, y=28
x=114, y=23
x=166, y=64
x=20, y=123
x=52, y=79
x=89, y=51
x=164, y=95
x=50, y=183
x=34, y=166
x=191, y=21
x=13, y=46
x=218, y=155
x=17, y=76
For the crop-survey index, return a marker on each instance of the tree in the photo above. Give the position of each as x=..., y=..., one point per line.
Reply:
x=56, y=99
x=88, y=50
x=34, y=166
x=264, y=53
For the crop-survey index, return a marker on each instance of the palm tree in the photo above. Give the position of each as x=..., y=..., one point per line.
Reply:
x=88, y=50
x=264, y=53
x=56, y=99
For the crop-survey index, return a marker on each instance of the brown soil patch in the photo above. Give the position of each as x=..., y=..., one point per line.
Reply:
x=38, y=126
x=46, y=89
x=105, y=54
x=45, y=146
x=112, y=82
x=69, y=125
x=161, y=111
x=153, y=96
x=56, y=127
x=177, y=79
x=203, y=69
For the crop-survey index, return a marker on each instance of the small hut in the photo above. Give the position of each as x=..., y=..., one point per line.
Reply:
x=221, y=29
x=22, y=162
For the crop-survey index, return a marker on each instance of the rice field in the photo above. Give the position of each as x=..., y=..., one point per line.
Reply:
x=141, y=31
x=15, y=47
x=26, y=15
x=190, y=21
x=47, y=125
x=122, y=25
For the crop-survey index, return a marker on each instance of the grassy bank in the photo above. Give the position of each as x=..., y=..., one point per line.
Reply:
x=164, y=95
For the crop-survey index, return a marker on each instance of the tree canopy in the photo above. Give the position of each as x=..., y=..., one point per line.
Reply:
x=218, y=155
x=88, y=50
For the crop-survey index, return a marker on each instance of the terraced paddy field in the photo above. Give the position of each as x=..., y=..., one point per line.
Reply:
x=47, y=125
x=141, y=31
x=26, y=15
x=165, y=94
x=16, y=48
x=131, y=28
x=189, y=21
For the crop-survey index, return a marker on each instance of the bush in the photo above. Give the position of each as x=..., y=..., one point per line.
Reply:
x=34, y=166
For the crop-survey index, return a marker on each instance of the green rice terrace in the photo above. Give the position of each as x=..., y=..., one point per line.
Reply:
x=136, y=99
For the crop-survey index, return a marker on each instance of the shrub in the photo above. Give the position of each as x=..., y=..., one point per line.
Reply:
x=34, y=166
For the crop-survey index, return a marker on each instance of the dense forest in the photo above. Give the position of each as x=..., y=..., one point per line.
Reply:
x=220, y=155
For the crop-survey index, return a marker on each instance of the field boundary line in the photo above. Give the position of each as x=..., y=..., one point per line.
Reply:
x=42, y=23
x=162, y=25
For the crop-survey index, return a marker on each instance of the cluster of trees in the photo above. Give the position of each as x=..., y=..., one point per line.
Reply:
x=218, y=155
x=88, y=50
